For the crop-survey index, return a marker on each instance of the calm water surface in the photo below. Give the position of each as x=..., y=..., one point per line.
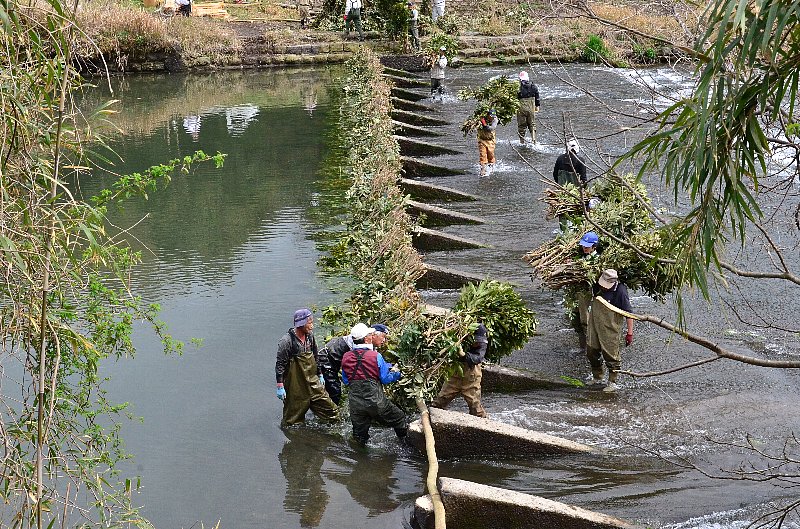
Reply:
x=228, y=255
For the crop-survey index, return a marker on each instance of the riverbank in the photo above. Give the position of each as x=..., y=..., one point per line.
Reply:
x=132, y=39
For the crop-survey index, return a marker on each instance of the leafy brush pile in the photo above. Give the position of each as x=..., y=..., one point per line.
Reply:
x=558, y=264
x=499, y=94
x=375, y=251
x=436, y=42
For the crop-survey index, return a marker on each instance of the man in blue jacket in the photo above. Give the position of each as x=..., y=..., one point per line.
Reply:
x=365, y=371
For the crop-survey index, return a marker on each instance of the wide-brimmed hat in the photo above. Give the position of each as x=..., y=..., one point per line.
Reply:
x=608, y=278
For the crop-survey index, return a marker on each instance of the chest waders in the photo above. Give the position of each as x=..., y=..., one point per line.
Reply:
x=368, y=403
x=603, y=341
x=304, y=392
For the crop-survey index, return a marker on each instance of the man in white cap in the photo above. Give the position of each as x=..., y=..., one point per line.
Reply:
x=605, y=326
x=528, y=107
x=569, y=167
x=438, y=65
x=365, y=372
x=300, y=383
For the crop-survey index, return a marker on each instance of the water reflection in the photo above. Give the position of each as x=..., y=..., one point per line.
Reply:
x=301, y=462
x=368, y=477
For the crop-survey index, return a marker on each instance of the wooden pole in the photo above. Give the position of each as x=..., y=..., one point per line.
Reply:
x=440, y=521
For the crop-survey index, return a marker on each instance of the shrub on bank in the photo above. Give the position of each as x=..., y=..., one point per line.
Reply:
x=119, y=32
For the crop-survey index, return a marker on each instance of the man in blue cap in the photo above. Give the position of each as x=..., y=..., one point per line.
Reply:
x=300, y=383
x=583, y=296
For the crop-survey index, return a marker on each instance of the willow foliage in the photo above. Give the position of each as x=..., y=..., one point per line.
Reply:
x=715, y=144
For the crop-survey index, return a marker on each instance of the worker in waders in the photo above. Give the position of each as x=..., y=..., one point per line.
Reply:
x=438, y=64
x=604, y=329
x=365, y=371
x=583, y=296
x=528, y=95
x=569, y=167
x=487, y=140
x=330, y=359
x=300, y=383
x=467, y=382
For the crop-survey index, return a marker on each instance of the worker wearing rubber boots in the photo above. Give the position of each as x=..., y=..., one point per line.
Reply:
x=468, y=383
x=300, y=383
x=487, y=140
x=604, y=329
x=587, y=252
x=528, y=95
x=365, y=372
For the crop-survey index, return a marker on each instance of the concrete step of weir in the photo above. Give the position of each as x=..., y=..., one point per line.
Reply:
x=463, y=436
x=406, y=82
x=421, y=148
x=434, y=309
x=400, y=73
x=411, y=131
x=441, y=277
x=411, y=106
x=470, y=504
x=408, y=95
x=506, y=379
x=426, y=239
x=436, y=216
x=415, y=168
x=423, y=190
x=416, y=119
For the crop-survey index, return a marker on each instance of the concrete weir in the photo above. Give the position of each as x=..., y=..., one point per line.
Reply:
x=407, y=130
x=415, y=119
x=432, y=240
x=420, y=148
x=408, y=95
x=462, y=435
x=443, y=277
x=418, y=169
x=433, y=192
x=499, y=378
x=410, y=106
x=406, y=82
x=436, y=216
x=472, y=505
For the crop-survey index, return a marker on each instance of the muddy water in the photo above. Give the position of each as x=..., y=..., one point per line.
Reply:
x=682, y=417
x=228, y=254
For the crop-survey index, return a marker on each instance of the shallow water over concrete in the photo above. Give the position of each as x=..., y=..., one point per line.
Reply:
x=229, y=258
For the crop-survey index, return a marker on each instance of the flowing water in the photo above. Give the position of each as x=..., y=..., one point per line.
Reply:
x=229, y=255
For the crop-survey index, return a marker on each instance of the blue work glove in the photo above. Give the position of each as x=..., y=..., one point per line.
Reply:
x=322, y=380
x=281, y=392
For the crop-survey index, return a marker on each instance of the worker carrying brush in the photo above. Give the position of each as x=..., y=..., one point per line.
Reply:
x=569, y=167
x=467, y=382
x=487, y=140
x=583, y=295
x=605, y=326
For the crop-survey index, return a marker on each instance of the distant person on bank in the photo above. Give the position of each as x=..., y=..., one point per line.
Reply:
x=438, y=65
x=487, y=140
x=528, y=95
x=300, y=383
x=352, y=14
x=604, y=329
x=184, y=7
x=468, y=383
x=437, y=10
x=365, y=372
x=304, y=11
x=413, y=24
x=330, y=359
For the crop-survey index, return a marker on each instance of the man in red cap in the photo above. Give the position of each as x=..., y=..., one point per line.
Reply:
x=300, y=383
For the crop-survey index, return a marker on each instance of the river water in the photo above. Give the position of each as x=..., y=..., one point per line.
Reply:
x=229, y=255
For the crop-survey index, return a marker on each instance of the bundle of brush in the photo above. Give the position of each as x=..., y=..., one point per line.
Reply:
x=629, y=240
x=499, y=94
x=555, y=263
x=562, y=200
